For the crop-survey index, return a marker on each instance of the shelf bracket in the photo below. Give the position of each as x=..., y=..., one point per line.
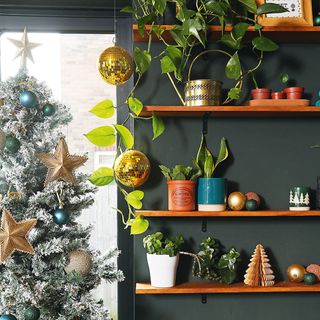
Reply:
x=204, y=298
x=204, y=225
x=205, y=119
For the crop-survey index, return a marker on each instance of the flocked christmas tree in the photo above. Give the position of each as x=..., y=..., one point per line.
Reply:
x=47, y=268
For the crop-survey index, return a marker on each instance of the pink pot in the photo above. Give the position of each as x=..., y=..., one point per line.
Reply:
x=294, y=92
x=260, y=93
x=277, y=95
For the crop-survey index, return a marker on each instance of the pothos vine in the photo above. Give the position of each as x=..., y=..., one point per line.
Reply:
x=191, y=32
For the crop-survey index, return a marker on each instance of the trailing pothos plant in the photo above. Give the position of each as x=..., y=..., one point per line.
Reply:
x=105, y=136
x=192, y=31
x=214, y=264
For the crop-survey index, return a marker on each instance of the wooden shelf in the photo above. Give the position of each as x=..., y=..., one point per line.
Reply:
x=230, y=111
x=213, y=287
x=229, y=214
x=308, y=34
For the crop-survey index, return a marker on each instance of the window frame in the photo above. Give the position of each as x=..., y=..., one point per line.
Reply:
x=87, y=20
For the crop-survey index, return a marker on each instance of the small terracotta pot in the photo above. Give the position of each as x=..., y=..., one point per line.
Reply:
x=294, y=92
x=181, y=195
x=277, y=95
x=260, y=93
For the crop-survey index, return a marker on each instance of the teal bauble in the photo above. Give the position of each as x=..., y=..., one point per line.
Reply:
x=32, y=313
x=317, y=20
x=252, y=205
x=8, y=317
x=310, y=278
x=12, y=144
x=60, y=217
x=48, y=110
x=28, y=99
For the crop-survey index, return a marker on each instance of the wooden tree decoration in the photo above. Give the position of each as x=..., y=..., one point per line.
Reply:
x=259, y=272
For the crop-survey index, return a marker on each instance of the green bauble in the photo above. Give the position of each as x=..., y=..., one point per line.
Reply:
x=32, y=313
x=12, y=144
x=251, y=205
x=310, y=278
x=48, y=110
x=317, y=20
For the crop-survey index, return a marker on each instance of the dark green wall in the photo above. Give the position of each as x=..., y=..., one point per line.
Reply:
x=267, y=156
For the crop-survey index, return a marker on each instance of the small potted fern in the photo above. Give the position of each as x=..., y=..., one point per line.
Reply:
x=163, y=258
x=211, y=191
x=181, y=181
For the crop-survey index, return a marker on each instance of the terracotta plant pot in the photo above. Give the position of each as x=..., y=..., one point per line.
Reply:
x=181, y=195
x=277, y=95
x=260, y=93
x=294, y=92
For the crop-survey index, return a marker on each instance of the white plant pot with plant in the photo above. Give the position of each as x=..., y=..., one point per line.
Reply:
x=163, y=259
x=211, y=192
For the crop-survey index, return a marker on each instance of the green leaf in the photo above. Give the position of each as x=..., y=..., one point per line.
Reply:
x=270, y=8
x=230, y=41
x=239, y=30
x=158, y=30
x=139, y=225
x=134, y=198
x=208, y=164
x=177, y=35
x=264, y=44
x=157, y=126
x=166, y=172
x=235, y=93
x=142, y=60
x=250, y=5
x=192, y=27
x=160, y=6
x=258, y=26
x=284, y=77
x=215, y=7
x=127, y=9
x=184, y=13
x=233, y=67
x=102, y=176
x=175, y=56
x=125, y=135
x=135, y=105
x=223, y=152
x=104, y=109
x=167, y=65
x=103, y=136
x=201, y=155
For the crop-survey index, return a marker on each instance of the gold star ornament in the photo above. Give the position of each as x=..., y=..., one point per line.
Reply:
x=13, y=235
x=61, y=164
x=24, y=48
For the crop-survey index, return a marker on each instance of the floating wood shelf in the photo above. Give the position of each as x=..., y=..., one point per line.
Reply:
x=281, y=34
x=229, y=214
x=231, y=111
x=213, y=287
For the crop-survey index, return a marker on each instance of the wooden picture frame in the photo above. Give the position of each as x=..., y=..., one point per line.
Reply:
x=303, y=16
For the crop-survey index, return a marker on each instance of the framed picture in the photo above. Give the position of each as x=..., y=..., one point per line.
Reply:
x=299, y=13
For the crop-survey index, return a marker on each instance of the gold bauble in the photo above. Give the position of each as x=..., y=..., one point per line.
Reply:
x=115, y=65
x=236, y=201
x=296, y=272
x=79, y=261
x=132, y=168
x=2, y=140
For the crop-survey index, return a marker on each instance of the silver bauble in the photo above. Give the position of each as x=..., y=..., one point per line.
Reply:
x=79, y=261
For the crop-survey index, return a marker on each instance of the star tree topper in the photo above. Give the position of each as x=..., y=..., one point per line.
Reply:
x=24, y=48
x=61, y=164
x=13, y=235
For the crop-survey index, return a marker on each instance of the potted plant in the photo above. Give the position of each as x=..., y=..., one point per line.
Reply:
x=181, y=181
x=163, y=258
x=211, y=191
x=291, y=92
x=284, y=77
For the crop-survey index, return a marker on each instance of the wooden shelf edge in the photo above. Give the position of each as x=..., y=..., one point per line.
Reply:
x=230, y=111
x=218, y=288
x=280, y=33
x=229, y=214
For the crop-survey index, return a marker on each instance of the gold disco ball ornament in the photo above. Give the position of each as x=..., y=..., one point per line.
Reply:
x=115, y=65
x=132, y=168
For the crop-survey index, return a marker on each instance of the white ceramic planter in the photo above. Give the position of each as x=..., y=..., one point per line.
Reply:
x=163, y=269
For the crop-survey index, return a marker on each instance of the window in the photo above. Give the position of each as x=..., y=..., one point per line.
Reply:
x=67, y=63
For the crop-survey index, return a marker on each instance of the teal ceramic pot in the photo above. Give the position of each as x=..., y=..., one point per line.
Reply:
x=211, y=194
